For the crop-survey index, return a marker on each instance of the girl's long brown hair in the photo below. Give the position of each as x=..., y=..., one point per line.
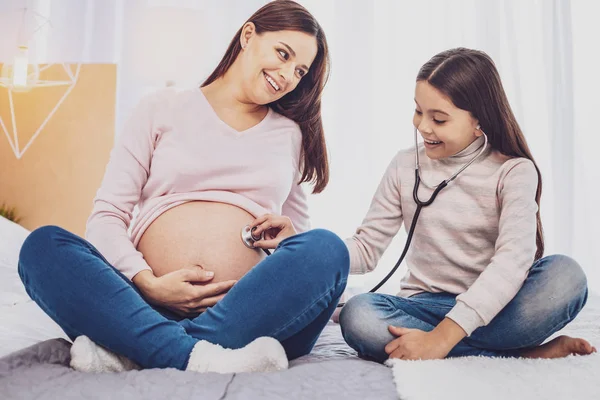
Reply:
x=472, y=82
x=303, y=104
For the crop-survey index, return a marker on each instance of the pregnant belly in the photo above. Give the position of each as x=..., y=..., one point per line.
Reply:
x=205, y=234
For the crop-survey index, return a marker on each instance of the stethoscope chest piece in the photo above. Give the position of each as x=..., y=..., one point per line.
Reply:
x=248, y=237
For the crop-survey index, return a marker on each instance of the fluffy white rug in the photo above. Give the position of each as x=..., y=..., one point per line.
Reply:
x=476, y=378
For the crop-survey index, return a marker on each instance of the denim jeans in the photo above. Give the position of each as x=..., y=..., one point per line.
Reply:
x=289, y=296
x=551, y=296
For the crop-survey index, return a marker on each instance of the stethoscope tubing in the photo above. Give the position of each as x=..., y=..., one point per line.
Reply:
x=420, y=204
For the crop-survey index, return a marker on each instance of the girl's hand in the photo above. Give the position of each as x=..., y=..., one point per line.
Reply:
x=415, y=344
x=275, y=227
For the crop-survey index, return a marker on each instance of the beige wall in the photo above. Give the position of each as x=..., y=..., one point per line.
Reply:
x=57, y=177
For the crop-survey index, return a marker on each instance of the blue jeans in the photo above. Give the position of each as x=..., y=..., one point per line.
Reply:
x=552, y=295
x=290, y=296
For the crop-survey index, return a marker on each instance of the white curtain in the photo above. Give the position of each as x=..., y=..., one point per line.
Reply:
x=544, y=50
x=586, y=138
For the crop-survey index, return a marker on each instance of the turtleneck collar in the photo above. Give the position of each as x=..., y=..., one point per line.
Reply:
x=468, y=151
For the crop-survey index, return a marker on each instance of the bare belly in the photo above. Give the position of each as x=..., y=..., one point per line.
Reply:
x=206, y=234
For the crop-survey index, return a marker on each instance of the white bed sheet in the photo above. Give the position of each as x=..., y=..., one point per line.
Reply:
x=24, y=325
x=11, y=239
x=22, y=322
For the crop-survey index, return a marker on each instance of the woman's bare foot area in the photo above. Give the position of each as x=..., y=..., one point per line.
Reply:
x=559, y=347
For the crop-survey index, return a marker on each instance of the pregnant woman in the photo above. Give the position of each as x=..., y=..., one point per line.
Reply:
x=176, y=286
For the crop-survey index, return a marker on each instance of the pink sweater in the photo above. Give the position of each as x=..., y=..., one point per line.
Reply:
x=476, y=240
x=175, y=149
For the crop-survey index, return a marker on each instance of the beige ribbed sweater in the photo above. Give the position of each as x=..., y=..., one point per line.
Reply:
x=477, y=239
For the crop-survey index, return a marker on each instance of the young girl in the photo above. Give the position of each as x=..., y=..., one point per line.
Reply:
x=182, y=290
x=476, y=283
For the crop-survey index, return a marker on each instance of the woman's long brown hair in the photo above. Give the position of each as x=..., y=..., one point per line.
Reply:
x=471, y=81
x=303, y=104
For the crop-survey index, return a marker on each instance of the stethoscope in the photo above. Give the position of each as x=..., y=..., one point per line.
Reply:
x=249, y=238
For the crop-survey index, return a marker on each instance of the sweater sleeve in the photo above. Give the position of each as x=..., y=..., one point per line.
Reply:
x=124, y=178
x=514, y=253
x=380, y=225
x=296, y=207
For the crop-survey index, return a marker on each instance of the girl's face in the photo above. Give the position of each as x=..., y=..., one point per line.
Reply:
x=446, y=129
x=273, y=63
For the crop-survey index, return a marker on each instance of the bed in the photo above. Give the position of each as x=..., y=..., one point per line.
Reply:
x=34, y=358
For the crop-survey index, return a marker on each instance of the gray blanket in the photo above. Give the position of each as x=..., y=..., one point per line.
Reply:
x=331, y=371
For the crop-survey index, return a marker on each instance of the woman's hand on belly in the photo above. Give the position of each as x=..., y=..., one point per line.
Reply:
x=185, y=292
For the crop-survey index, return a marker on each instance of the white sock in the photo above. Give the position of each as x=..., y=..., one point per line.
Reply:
x=264, y=354
x=87, y=356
